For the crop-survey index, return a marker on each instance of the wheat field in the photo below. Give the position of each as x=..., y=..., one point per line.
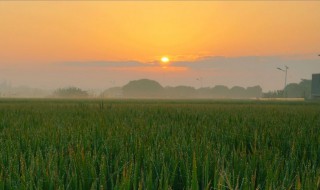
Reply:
x=159, y=144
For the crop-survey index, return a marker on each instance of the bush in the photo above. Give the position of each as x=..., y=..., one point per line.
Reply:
x=70, y=92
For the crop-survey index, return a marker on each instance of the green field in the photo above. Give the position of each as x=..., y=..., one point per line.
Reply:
x=149, y=144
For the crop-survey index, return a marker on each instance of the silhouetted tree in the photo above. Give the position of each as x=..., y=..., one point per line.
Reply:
x=205, y=92
x=143, y=88
x=70, y=92
x=306, y=87
x=292, y=90
x=113, y=92
x=273, y=94
x=180, y=92
x=220, y=91
x=238, y=92
x=254, y=92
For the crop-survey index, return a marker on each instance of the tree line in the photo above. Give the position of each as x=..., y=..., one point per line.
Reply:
x=292, y=90
x=146, y=88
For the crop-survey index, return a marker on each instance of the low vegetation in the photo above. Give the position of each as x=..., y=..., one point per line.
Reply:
x=92, y=144
x=292, y=90
x=146, y=88
x=70, y=92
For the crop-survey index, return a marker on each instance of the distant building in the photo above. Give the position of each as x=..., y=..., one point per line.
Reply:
x=315, y=87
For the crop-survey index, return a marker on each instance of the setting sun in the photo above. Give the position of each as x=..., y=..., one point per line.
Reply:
x=165, y=60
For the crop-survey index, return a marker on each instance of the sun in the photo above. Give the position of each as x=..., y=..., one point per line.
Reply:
x=165, y=59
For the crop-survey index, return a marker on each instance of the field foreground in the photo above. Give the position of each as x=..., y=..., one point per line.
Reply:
x=149, y=144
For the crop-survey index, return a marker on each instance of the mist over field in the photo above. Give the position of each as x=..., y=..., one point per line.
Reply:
x=151, y=89
x=96, y=77
x=203, y=72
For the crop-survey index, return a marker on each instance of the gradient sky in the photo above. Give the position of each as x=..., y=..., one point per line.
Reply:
x=51, y=44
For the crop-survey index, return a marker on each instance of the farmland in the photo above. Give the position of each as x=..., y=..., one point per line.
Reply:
x=159, y=144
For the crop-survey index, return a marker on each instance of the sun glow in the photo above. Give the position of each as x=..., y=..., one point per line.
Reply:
x=165, y=60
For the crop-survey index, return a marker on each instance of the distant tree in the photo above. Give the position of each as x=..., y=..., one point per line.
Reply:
x=273, y=94
x=254, y=92
x=113, y=92
x=180, y=92
x=306, y=87
x=220, y=91
x=238, y=92
x=204, y=92
x=70, y=92
x=301, y=90
x=292, y=90
x=143, y=88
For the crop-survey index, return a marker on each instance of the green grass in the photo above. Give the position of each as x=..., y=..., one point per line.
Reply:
x=149, y=144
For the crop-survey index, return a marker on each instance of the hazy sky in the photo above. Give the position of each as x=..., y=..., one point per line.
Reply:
x=99, y=44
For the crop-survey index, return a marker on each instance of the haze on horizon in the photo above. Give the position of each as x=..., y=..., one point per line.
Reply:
x=100, y=44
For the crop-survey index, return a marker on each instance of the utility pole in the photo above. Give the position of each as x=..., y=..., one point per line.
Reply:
x=285, y=70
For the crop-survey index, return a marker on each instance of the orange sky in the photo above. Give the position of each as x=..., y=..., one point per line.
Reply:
x=39, y=38
x=143, y=31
